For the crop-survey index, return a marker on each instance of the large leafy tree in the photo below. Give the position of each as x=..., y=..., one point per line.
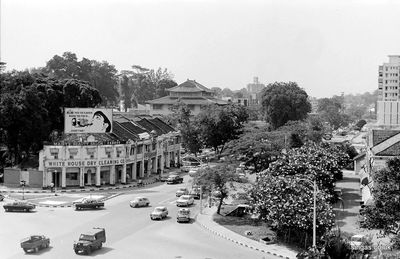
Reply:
x=220, y=178
x=257, y=147
x=331, y=110
x=283, y=102
x=31, y=106
x=100, y=75
x=220, y=124
x=287, y=202
x=385, y=211
x=182, y=120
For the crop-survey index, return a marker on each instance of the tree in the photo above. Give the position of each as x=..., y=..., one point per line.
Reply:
x=100, y=75
x=283, y=102
x=286, y=201
x=385, y=211
x=217, y=91
x=220, y=179
x=31, y=108
x=181, y=119
x=220, y=124
x=330, y=110
x=226, y=92
x=256, y=147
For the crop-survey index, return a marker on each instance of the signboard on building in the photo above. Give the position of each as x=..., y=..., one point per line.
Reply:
x=87, y=120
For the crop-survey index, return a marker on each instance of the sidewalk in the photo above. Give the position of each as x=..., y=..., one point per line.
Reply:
x=205, y=219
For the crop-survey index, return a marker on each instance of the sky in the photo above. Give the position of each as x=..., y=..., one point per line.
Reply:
x=327, y=47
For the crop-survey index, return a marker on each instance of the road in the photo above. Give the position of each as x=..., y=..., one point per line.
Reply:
x=130, y=232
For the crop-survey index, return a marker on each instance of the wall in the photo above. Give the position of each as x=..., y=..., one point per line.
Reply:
x=35, y=178
x=12, y=177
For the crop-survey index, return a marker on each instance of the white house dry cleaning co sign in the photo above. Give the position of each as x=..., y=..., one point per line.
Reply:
x=78, y=163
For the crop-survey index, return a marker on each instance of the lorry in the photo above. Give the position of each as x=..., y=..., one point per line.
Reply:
x=90, y=240
x=34, y=243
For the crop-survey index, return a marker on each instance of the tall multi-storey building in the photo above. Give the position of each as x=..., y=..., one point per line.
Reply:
x=255, y=87
x=389, y=80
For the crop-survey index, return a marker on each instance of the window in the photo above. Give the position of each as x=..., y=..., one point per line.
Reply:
x=108, y=153
x=157, y=106
x=71, y=156
x=146, y=148
x=140, y=149
x=72, y=176
x=54, y=152
x=132, y=151
x=154, y=146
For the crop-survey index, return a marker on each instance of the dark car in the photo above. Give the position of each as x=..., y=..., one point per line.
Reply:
x=174, y=179
x=34, y=243
x=90, y=241
x=19, y=206
x=88, y=203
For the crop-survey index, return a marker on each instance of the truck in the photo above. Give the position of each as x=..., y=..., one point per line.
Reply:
x=90, y=241
x=34, y=243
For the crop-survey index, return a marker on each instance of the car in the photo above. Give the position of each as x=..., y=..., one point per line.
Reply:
x=159, y=213
x=19, y=206
x=1, y=197
x=195, y=192
x=185, y=201
x=182, y=191
x=139, y=202
x=174, y=179
x=359, y=243
x=90, y=240
x=193, y=172
x=88, y=203
x=34, y=243
x=183, y=215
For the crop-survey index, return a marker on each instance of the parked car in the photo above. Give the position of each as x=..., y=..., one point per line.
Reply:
x=159, y=213
x=174, y=179
x=185, y=201
x=359, y=243
x=195, y=192
x=182, y=191
x=193, y=172
x=90, y=240
x=139, y=202
x=34, y=243
x=88, y=203
x=1, y=197
x=183, y=215
x=19, y=206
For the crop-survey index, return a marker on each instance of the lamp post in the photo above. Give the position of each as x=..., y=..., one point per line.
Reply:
x=23, y=182
x=314, y=183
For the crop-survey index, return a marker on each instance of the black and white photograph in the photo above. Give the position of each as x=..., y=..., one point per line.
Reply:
x=200, y=129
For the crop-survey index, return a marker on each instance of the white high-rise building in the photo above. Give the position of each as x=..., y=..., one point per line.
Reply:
x=388, y=112
x=389, y=80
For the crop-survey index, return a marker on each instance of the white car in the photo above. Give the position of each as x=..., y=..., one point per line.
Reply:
x=185, y=201
x=182, y=191
x=139, y=202
x=159, y=213
x=358, y=243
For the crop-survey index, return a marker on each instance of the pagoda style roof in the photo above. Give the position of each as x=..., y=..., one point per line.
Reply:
x=200, y=100
x=189, y=86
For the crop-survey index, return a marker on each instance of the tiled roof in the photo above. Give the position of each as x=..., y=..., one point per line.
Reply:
x=162, y=125
x=122, y=133
x=187, y=100
x=189, y=86
x=150, y=126
x=378, y=136
x=393, y=150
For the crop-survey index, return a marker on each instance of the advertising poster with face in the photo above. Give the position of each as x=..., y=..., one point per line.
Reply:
x=87, y=120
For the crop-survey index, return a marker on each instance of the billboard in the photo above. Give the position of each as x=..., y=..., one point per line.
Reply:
x=87, y=120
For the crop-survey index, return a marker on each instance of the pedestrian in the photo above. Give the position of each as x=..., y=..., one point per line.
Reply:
x=52, y=187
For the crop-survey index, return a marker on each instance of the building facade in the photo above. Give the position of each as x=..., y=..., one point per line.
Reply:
x=389, y=80
x=190, y=92
x=139, y=146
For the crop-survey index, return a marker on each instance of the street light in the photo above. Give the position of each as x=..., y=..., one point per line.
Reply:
x=23, y=182
x=314, y=183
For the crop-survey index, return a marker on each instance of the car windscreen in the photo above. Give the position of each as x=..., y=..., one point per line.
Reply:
x=87, y=237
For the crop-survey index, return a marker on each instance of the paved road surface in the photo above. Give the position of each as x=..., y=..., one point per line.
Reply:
x=130, y=232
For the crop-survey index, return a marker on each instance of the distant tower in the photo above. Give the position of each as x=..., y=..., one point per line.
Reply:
x=388, y=110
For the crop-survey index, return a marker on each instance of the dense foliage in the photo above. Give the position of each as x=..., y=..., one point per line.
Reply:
x=283, y=102
x=385, y=211
x=31, y=107
x=220, y=124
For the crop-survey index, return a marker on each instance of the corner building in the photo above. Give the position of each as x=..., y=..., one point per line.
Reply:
x=137, y=147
